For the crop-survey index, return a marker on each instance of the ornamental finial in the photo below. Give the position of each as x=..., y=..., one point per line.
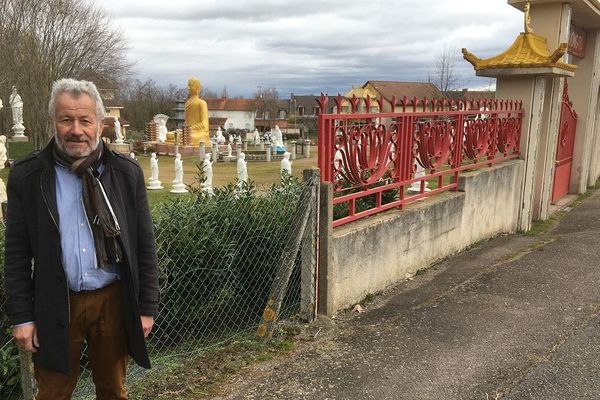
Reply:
x=527, y=19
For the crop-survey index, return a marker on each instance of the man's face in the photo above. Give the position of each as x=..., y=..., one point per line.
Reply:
x=77, y=128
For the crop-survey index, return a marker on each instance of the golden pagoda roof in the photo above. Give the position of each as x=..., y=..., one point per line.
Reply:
x=529, y=50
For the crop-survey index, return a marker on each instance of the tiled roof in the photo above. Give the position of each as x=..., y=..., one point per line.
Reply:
x=389, y=89
x=529, y=50
x=471, y=94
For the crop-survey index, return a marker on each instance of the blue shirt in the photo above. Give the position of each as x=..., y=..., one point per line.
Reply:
x=78, y=250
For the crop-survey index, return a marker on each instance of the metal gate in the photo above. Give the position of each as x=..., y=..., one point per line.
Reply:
x=564, y=149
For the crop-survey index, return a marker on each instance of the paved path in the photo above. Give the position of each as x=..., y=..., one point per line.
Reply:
x=514, y=318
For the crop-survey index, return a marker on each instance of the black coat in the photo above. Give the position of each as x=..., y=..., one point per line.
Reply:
x=32, y=235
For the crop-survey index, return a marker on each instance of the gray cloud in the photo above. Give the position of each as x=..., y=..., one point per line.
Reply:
x=308, y=46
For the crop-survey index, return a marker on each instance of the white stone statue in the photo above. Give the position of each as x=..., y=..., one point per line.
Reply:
x=277, y=137
x=3, y=196
x=118, y=133
x=161, y=123
x=256, y=136
x=415, y=187
x=220, y=137
x=286, y=165
x=16, y=106
x=242, y=169
x=178, y=169
x=1, y=105
x=153, y=168
x=208, y=174
x=153, y=180
x=178, y=185
x=230, y=138
x=3, y=152
x=229, y=149
x=132, y=155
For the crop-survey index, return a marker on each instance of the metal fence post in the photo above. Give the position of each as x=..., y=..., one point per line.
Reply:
x=310, y=248
x=286, y=261
x=28, y=384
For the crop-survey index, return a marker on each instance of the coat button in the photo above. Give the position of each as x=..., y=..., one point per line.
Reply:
x=61, y=325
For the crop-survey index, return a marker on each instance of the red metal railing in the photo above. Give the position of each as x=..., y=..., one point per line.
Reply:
x=373, y=158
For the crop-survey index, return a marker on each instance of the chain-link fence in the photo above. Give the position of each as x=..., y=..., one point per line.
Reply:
x=218, y=256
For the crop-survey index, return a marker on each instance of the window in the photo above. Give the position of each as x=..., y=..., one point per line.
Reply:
x=316, y=111
x=300, y=111
x=282, y=114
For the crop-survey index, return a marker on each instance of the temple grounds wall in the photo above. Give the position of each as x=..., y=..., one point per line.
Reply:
x=369, y=255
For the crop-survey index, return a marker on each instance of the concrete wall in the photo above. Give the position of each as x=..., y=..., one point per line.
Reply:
x=369, y=255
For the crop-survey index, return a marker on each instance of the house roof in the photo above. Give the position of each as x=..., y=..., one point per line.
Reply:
x=231, y=104
x=471, y=94
x=389, y=89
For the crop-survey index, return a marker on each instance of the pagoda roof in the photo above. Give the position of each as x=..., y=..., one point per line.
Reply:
x=528, y=51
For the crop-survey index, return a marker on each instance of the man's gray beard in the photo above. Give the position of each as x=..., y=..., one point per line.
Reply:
x=63, y=148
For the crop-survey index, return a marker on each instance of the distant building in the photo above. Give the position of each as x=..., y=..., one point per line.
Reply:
x=467, y=94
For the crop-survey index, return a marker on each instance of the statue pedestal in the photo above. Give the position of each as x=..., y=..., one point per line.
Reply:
x=178, y=188
x=120, y=147
x=154, y=185
x=229, y=158
x=19, y=138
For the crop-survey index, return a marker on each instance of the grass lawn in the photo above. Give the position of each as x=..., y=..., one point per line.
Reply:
x=261, y=173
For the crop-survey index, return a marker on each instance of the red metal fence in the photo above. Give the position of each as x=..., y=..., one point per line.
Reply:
x=385, y=159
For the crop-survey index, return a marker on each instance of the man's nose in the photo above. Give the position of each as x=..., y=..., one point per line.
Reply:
x=77, y=128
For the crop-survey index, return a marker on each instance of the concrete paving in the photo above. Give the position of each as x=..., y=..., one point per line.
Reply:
x=516, y=317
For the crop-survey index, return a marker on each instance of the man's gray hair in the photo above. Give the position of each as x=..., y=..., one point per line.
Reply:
x=76, y=88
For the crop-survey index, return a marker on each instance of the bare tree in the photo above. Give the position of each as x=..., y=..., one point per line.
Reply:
x=41, y=41
x=445, y=75
x=143, y=100
x=267, y=102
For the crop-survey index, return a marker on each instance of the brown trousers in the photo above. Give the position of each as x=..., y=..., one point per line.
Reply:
x=96, y=318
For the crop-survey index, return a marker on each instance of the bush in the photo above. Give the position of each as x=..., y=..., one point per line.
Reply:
x=204, y=245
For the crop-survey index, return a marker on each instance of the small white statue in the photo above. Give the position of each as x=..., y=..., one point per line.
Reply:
x=3, y=152
x=3, y=196
x=220, y=137
x=208, y=174
x=16, y=106
x=256, y=136
x=242, y=169
x=132, y=155
x=153, y=180
x=118, y=133
x=1, y=105
x=161, y=130
x=286, y=165
x=230, y=138
x=277, y=137
x=153, y=168
x=178, y=185
x=178, y=169
x=229, y=149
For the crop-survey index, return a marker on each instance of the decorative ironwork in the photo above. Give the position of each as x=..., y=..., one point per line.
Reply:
x=433, y=142
x=374, y=155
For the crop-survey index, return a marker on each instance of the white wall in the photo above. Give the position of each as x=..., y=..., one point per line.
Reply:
x=369, y=255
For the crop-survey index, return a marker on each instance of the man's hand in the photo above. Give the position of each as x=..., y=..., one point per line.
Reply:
x=147, y=323
x=26, y=337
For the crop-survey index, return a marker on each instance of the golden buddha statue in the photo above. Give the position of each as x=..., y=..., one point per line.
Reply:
x=195, y=115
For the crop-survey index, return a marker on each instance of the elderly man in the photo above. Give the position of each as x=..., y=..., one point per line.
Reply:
x=80, y=257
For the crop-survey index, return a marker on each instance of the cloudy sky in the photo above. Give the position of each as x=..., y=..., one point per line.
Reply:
x=308, y=46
